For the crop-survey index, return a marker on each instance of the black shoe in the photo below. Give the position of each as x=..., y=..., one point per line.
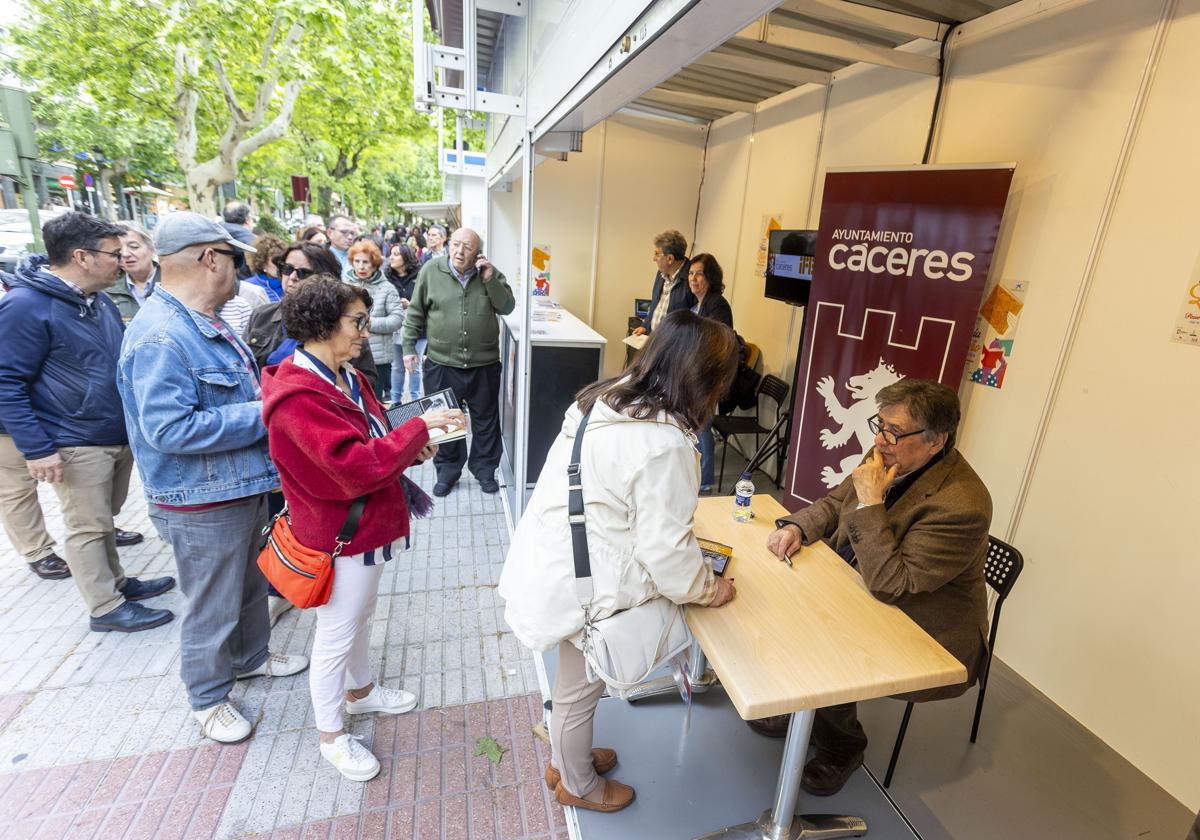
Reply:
x=489, y=485
x=140, y=590
x=130, y=618
x=444, y=486
x=824, y=778
x=50, y=567
x=775, y=726
x=127, y=537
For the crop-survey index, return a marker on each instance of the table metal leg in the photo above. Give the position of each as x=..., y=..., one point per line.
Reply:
x=779, y=823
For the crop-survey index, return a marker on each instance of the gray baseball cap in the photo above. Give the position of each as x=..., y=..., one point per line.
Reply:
x=178, y=230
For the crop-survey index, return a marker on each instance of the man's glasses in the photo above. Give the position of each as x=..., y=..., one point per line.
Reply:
x=361, y=322
x=239, y=258
x=889, y=437
x=116, y=254
x=287, y=268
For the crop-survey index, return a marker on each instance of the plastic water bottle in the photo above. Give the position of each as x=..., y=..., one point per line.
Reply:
x=743, y=491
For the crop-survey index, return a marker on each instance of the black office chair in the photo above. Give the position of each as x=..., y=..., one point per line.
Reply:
x=729, y=425
x=1001, y=569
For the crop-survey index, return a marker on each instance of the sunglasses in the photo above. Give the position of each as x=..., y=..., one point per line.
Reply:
x=287, y=268
x=239, y=257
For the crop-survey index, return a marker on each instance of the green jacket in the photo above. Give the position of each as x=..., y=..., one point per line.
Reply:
x=124, y=299
x=460, y=323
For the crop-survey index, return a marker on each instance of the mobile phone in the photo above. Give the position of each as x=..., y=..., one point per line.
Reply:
x=718, y=554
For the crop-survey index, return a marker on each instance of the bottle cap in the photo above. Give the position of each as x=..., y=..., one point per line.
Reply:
x=746, y=476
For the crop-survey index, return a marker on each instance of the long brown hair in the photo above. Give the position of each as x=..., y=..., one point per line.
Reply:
x=685, y=368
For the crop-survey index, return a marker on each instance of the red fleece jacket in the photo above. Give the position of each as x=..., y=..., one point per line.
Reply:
x=326, y=458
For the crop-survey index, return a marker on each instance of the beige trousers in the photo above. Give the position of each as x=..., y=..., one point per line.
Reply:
x=571, y=718
x=19, y=507
x=95, y=483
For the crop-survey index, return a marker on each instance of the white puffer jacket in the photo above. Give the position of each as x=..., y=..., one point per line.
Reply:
x=641, y=480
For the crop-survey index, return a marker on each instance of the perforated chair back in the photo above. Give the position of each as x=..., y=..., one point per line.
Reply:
x=1002, y=567
x=774, y=388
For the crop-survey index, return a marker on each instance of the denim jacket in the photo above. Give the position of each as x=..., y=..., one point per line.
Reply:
x=192, y=408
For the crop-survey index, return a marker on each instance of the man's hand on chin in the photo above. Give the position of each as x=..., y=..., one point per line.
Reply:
x=872, y=479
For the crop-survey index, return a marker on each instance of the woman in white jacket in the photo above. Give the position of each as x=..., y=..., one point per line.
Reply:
x=641, y=480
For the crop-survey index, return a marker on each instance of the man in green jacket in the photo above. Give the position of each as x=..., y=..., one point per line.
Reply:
x=455, y=302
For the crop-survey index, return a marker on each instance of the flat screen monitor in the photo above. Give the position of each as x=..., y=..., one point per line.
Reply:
x=790, y=257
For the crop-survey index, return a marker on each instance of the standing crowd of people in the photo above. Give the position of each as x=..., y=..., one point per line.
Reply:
x=243, y=376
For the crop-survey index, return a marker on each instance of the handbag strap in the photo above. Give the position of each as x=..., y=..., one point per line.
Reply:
x=350, y=526
x=578, y=519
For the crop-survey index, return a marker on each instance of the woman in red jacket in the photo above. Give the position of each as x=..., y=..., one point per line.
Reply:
x=330, y=443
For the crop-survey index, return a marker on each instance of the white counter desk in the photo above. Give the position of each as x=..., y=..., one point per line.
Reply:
x=565, y=355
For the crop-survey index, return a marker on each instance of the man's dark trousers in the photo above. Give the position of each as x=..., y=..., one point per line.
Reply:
x=479, y=389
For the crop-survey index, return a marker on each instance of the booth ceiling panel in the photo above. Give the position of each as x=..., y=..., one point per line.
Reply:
x=726, y=83
x=810, y=23
x=945, y=11
x=759, y=49
x=752, y=67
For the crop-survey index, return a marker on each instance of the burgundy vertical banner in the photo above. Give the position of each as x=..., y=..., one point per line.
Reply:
x=902, y=259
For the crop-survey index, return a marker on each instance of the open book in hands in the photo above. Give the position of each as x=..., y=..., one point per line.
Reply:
x=401, y=413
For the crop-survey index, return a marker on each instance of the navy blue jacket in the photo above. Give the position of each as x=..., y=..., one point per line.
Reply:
x=58, y=365
x=681, y=295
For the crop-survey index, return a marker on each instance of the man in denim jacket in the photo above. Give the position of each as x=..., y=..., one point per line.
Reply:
x=193, y=406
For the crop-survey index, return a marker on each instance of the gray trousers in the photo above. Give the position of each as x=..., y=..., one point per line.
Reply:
x=575, y=701
x=226, y=629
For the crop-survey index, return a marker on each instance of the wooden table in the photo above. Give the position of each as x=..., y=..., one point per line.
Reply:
x=798, y=638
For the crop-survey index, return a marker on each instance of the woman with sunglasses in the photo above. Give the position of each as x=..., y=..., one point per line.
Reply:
x=265, y=333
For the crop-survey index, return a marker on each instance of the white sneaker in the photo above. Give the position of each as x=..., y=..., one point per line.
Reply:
x=223, y=723
x=278, y=665
x=390, y=701
x=277, y=605
x=352, y=759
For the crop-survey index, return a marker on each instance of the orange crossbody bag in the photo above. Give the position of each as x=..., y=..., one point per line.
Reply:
x=301, y=574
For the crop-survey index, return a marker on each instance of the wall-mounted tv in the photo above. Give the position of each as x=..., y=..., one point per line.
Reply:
x=790, y=257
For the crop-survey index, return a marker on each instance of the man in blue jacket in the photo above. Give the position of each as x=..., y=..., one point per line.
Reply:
x=193, y=404
x=59, y=341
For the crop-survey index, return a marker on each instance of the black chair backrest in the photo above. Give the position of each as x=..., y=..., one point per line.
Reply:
x=775, y=388
x=1002, y=567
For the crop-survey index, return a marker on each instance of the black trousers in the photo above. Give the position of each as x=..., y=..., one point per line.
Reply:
x=837, y=735
x=478, y=389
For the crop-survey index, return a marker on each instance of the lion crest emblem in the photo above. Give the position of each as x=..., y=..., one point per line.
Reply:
x=852, y=419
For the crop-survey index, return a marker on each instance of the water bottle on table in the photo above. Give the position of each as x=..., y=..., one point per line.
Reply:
x=743, y=492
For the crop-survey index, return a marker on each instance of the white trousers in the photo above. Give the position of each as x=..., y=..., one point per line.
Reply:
x=340, y=659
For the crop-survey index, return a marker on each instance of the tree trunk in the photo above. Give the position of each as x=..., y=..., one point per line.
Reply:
x=324, y=202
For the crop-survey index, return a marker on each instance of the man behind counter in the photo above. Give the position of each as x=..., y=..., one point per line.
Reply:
x=913, y=518
x=670, y=291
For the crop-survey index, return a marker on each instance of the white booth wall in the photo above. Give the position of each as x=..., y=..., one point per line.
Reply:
x=600, y=210
x=1088, y=449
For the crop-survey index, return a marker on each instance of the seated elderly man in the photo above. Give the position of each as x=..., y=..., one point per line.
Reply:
x=913, y=519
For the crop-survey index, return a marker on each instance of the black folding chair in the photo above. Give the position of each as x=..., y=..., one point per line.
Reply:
x=729, y=425
x=1001, y=569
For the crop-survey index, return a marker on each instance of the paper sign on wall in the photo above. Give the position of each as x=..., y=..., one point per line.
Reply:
x=1187, y=327
x=992, y=340
x=541, y=270
x=770, y=222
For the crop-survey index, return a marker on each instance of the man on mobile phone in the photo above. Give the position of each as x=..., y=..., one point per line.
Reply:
x=455, y=303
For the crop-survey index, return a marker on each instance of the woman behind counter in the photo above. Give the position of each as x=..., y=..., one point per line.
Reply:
x=707, y=282
x=640, y=486
x=331, y=445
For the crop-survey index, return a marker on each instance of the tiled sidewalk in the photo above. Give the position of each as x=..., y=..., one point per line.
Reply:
x=96, y=739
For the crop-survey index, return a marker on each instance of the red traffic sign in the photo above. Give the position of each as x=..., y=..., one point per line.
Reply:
x=66, y=182
x=300, y=188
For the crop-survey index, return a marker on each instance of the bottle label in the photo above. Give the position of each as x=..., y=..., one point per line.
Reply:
x=741, y=500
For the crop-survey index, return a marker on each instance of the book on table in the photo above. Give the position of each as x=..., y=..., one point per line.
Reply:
x=401, y=413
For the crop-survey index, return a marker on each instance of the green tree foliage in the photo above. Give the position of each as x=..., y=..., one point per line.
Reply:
x=219, y=83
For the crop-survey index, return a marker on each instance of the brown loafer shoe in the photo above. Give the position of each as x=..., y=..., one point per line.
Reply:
x=775, y=726
x=616, y=797
x=603, y=759
x=824, y=778
x=50, y=567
